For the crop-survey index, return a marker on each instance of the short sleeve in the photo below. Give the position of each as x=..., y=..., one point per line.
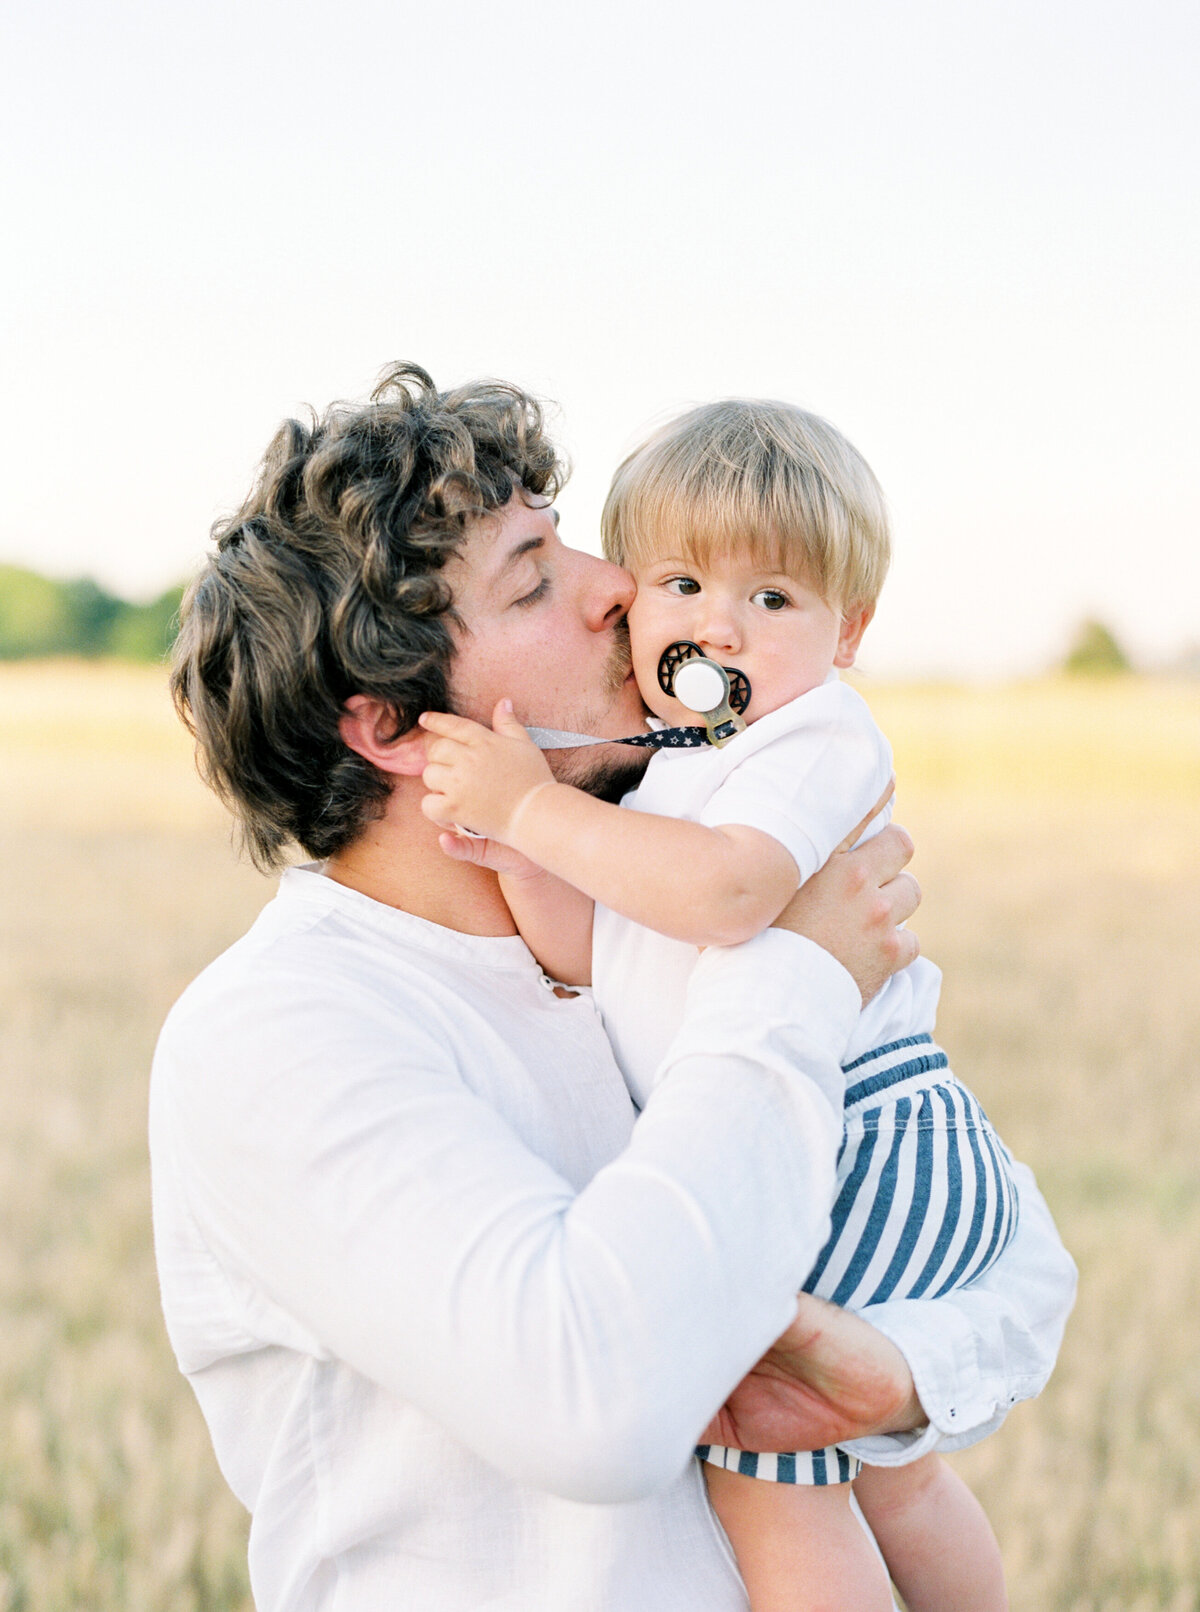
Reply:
x=811, y=771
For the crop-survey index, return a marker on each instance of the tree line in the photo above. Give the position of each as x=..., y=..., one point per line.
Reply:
x=39, y=616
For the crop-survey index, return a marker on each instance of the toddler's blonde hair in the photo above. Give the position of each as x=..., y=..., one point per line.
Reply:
x=750, y=475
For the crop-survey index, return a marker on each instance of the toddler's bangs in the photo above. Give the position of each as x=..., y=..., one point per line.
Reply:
x=753, y=480
x=703, y=524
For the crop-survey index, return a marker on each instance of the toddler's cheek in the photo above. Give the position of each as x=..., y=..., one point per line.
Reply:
x=647, y=640
x=662, y=706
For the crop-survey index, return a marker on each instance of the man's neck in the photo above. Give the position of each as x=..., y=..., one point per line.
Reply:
x=397, y=860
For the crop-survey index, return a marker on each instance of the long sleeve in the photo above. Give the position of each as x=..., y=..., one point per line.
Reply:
x=363, y=1203
x=980, y=1350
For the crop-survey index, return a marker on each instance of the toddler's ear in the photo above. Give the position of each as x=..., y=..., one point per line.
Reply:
x=854, y=623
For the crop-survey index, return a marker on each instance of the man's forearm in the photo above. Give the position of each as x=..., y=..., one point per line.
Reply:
x=831, y=1377
x=903, y=1378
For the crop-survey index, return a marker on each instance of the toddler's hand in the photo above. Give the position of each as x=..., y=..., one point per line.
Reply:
x=491, y=854
x=477, y=777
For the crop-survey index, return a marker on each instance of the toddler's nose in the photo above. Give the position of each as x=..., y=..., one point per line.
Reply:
x=718, y=631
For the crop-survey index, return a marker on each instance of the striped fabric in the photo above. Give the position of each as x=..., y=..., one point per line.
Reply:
x=926, y=1202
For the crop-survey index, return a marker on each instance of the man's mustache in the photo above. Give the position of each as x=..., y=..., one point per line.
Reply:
x=620, y=660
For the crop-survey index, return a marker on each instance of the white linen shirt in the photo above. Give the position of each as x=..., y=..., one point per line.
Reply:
x=449, y=1312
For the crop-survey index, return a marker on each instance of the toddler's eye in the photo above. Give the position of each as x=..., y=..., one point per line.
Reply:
x=771, y=599
x=687, y=586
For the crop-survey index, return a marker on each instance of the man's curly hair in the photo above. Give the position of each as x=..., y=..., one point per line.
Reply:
x=326, y=583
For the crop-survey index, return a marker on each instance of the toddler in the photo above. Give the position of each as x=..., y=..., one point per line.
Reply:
x=758, y=539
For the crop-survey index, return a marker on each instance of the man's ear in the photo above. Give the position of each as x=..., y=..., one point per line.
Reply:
x=367, y=725
x=854, y=623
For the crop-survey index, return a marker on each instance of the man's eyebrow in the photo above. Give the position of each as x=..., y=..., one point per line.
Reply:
x=529, y=546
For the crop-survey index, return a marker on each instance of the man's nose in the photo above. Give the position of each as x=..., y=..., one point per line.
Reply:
x=607, y=592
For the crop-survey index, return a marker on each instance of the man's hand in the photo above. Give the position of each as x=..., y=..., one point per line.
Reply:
x=478, y=777
x=852, y=906
x=831, y=1377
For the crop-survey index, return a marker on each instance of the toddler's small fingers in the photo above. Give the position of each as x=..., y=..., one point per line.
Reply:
x=459, y=848
x=503, y=721
x=448, y=725
x=438, y=809
x=445, y=750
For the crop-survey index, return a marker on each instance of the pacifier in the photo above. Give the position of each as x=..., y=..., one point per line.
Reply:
x=717, y=693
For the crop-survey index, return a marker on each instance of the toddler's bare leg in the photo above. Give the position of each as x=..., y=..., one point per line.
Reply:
x=935, y=1537
x=799, y=1547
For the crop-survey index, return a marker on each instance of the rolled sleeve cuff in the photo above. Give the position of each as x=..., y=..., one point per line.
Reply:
x=944, y=1362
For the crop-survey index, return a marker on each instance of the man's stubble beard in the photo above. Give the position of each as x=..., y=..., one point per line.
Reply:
x=607, y=776
x=614, y=771
x=609, y=771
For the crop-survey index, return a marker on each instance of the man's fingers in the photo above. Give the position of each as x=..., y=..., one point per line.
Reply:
x=883, y=857
x=904, y=895
x=856, y=834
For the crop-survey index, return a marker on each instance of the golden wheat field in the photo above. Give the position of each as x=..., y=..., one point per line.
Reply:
x=1058, y=840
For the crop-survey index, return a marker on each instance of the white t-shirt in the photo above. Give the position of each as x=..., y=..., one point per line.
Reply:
x=449, y=1313
x=805, y=774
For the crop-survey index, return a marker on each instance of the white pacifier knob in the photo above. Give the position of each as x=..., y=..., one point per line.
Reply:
x=701, y=685
x=717, y=693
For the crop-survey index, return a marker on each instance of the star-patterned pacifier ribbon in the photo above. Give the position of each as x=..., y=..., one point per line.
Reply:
x=663, y=739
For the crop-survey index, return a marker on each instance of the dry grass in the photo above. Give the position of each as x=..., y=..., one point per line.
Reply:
x=118, y=886
x=1059, y=854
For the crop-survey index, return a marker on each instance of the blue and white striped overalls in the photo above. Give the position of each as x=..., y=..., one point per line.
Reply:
x=925, y=1203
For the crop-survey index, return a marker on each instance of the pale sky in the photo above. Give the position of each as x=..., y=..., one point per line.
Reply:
x=966, y=233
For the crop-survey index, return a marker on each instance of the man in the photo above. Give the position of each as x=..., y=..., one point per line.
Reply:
x=455, y=1320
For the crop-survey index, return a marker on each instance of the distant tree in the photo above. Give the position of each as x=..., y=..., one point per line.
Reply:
x=1095, y=651
x=92, y=613
x=41, y=617
x=35, y=618
x=146, y=632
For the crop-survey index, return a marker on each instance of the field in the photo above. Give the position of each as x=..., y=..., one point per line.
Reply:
x=1058, y=850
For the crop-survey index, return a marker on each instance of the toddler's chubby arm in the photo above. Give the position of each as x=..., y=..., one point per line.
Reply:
x=706, y=886
x=554, y=918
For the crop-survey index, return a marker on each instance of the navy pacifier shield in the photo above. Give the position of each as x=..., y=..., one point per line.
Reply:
x=717, y=693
